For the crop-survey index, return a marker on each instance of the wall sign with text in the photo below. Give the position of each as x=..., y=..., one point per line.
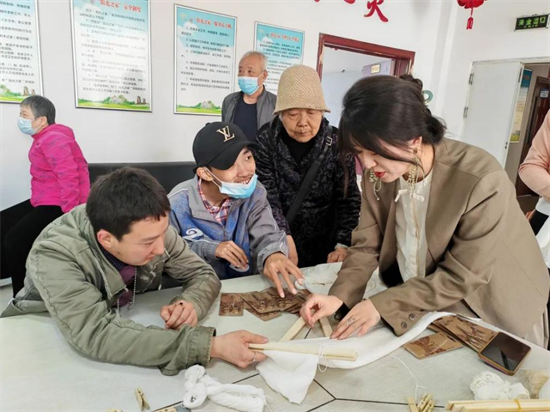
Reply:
x=532, y=22
x=283, y=48
x=112, y=54
x=20, y=70
x=205, y=60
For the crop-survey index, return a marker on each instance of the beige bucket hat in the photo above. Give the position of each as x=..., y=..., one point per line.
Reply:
x=300, y=88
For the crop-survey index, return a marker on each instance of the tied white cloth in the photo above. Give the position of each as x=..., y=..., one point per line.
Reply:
x=543, y=238
x=198, y=386
x=488, y=386
x=290, y=374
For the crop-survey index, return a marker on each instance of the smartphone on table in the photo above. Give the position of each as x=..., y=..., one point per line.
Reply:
x=504, y=353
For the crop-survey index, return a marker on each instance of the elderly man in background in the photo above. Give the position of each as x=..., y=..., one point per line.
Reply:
x=312, y=191
x=253, y=106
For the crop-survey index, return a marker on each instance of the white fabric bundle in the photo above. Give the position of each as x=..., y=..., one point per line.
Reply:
x=290, y=374
x=545, y=391
x=198, y=386
x=488, y=386
x=319, y=279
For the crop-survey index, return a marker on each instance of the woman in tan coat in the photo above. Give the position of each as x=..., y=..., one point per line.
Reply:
x=438, y=217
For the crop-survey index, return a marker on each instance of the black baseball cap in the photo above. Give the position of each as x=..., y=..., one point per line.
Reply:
x=218, y=144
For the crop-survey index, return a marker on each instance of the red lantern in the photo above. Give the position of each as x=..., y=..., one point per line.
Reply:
x=470, y=4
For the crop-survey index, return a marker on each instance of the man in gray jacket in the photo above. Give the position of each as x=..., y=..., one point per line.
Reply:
x=87, y=265
x=253, y=106
x=224, y=214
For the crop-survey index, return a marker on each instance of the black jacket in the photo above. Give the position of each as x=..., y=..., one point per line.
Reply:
x=327, y=215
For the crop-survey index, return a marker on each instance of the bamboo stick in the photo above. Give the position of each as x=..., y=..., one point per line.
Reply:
x=424, y=402
x=294, y=330
x=412, y=405
x=327, y=329
x=525, y=405
x=325, y=351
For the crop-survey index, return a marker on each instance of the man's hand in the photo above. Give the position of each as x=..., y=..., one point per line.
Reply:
x=179, y=313
x=278, y=263
x=232, y=253
x=292, y=252
x=233, y=348
x=338, y=255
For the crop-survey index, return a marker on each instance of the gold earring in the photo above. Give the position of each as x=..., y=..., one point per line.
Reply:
x=413, y=178
x=376, y=184
x=413, y=173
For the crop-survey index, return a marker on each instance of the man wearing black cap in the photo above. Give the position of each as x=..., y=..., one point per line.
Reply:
x=223, y=213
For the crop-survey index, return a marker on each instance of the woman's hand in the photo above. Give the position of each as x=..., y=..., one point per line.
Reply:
x=362, y=317
x=319, y=306
x=338, y=255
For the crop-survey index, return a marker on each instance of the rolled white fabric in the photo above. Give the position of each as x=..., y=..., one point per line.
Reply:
x=198, y=386
x=290, y=374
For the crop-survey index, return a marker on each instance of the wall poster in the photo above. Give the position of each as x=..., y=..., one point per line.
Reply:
x=112, y=54
x=283, y=48
x=20, y=66
x=205, y=60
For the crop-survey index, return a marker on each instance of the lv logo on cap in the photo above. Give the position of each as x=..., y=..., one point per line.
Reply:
x=226, y=133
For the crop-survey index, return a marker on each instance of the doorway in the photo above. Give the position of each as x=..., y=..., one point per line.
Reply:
x=507, y=102
x=341, y=62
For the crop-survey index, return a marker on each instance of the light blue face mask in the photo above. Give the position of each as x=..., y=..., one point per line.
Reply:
x=238, y=190
x=25, y=125
x=248, y=85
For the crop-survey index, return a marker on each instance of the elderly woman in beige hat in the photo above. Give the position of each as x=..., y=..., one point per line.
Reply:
x=312, y=191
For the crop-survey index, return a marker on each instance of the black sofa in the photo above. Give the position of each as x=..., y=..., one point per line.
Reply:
x=169, y=174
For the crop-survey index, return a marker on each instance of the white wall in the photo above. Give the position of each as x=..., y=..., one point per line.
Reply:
x=335, y=85
x=341, y=69
x=114, y=136
x=336, y=61
x=492, y=38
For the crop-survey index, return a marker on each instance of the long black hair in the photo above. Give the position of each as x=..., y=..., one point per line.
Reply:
x=385, y=109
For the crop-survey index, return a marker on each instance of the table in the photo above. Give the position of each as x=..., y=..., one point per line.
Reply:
x=40, y=371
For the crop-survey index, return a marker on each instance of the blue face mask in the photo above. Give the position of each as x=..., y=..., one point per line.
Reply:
x=248, y=85
x=25, y=125
x=238, y=190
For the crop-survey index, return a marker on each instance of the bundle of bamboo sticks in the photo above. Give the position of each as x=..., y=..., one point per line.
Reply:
x=326, y=352
x=517, y=405
x=426, y=404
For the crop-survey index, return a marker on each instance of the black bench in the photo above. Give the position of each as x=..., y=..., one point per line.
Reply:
x=169, y=174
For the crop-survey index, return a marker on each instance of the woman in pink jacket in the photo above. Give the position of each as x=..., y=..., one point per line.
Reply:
x=535, y=173
x=59, y=182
